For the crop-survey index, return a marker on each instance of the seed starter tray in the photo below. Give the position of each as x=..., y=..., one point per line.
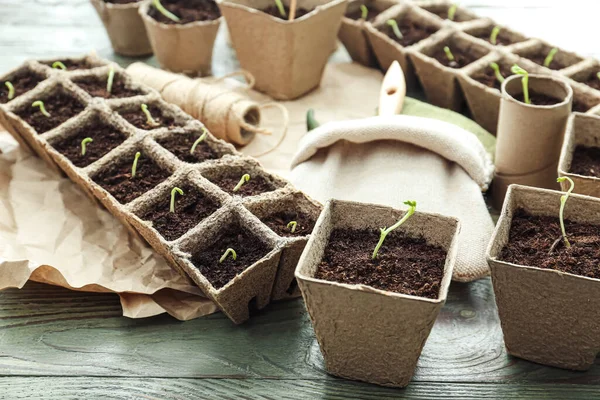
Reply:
x=206, y=215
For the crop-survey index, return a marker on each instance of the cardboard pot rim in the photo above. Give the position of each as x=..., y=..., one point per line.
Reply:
x=261, y=14
x=119, y=6
x=512, y=189
x=445, y=283
x=143, y=11
x=538, y=77
x=570, y=135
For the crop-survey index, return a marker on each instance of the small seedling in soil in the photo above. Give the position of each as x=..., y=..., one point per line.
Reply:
x=245, y=178
x=525, y=81
x=384, y=232
x=174, y=191
x=598, y=75
x=311, y=122
x=228, y=252
x=452, y=12
x=563, y=202
x=84, y=144
x=11, y=90
x=199, y=140
x=494, y=35
x=395, y=28
x=550, y=57
x=451, y=59
x=364, y=12
x=157, y=4
x=292, y=226
x=135, y=163
x=149, y=120
x=497, y=72
x=111, y=78
x=40, y=104
x=59, y=65
x=281, y=9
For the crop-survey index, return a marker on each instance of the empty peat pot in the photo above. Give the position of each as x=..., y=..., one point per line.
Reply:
x=530, y=136
x=287, y=58
x=368, y=332
x=124, y=26
x=550, y=311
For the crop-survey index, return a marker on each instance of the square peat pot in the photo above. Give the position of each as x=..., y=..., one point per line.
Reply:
x=536, y=51
x=353, y=33
x=587, y=74
x=440, y=9
x=364, y=332
x=548, y=316
x=506, y=38
x=287, y=58
x=438, y=75
x=235, y=285
x=416, y=27
x=277, y=212
x=580, y=155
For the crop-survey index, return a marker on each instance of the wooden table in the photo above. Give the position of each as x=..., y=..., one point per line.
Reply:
x=59, y=344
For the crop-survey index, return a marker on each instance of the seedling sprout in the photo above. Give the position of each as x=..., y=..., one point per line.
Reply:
x=364, y=12
x=525, y=81
x=228, y=252
x=563, y=202
x=11, y=90
x=292, y=226
x=452, y=12
x=449, y=54
x=384, y=232
x=164, y=11
x=199, y=140
x=245, y=178
x=598, y=75
x=111, y=78
x=550, y=57
x=494, y=35
x=394, y=25
x=59, y=65
x=84, y=143
x=135, y=163
x=281, y=9
x=497, y=72
x=40, y=104
x=174, y=191
x=149, y=120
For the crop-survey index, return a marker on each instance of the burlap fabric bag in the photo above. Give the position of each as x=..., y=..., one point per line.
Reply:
x=387, y=160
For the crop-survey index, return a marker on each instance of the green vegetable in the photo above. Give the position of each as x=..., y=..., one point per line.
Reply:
x=281, y=8
x=84, y=143
x=496, y=69
x=245, y=178
x=11, y=90
x=111, y=78
x=40, y=104
x=199, y=140
x=384, y=232
x=364, y=12
x=174, y=191
x=149, y=120
x=227, y=252
x=563, y=202
x=525, y=81
x=157, y=4
x=395, y=28
x=292, y=226
x=449, y=53
x=452, y=12
x=494, y=35
x=550, y=57
x=60, y=65
x=135, y=163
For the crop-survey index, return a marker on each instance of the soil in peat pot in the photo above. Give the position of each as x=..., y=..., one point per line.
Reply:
x=540, y=57
x=592, y=80
x=461, y=58
x=538, y=99
x=257, y=184
x=71, y=65
x=248, y=247
x=536, y=241
x=412, y=32
x=583, y=104
x=503, y=38
x=187, y=11
x=586, y=161
x=279, y=221
x=487, y=76
x=404, y=265
x=371, y=15
x=117, y=180
x=274, y=12
x=137, y=118
x=180, y=144
x=96, y=87
x=60, y=105
x=442, y=12
x=190, y=209
x=22, y=81
x=105, y=138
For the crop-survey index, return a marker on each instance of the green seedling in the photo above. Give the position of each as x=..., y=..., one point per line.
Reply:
x=563, y=202
x=395, y=28
x=59, y=65
x=311, y=122
x=497, y=72
x=384, y=232
x=157, y=4
x=84, y=144
x=364, y=12
x=40, y=104
x=199, y=140
x=111, y=78
x=292, y=226
x=149, y=120
x=11, y=90
x=449, y=54
x=525, y=81
x=452, y=12
x=550, y=57
x=598, y=75
x=494, y=35
x=174, y=191
x=228, y=252
x=245, y=178
x=135, y=163
x=281, y=9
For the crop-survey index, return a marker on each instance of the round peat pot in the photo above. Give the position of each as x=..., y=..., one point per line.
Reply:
x=125, y=28
x=530, y=136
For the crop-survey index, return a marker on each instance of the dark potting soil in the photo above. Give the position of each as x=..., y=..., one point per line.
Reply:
x=461, y=58
x=532, y=238
x=278, y=223
x=357, y=14
x=96, y=87
x=61, y=107
x=138, y=119
x=117, y=180
x=256, y=185
x=593, y=80
x=249, y=250
x=583, y=104
x=412, y=32
x=71, y=64
x=181, y=144
x=121, y=1
x=274, y=11
x=442, y=12
x=190, y=209
x=539, y=59
x=538, y=99
x=503, y=39
x=187, y=10
x=105, y=138
x=487, y=76
x=22, y=81
x=586, y=161
x=404, y=264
